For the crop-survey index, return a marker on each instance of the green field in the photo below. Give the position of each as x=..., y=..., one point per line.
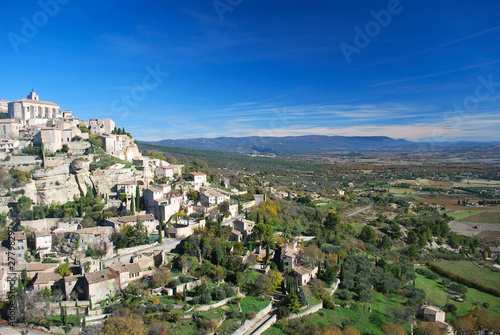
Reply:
x=330, y=204
x=437, y=296
x=470, y=271
x=483, y=217
x=358, y=317
x=458, y=215
x=250, y=303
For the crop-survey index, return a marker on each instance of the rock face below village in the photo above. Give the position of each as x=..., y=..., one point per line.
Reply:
x=62, y=183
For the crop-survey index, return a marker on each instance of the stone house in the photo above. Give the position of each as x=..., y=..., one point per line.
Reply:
x=184, y=228
x=289, y=255
x=32, y=269
x=10, y=129
x=43, y=241
x=101, y=285
x=148, y=220
x=245, y=227
x=432, y=313
x=493, y=252
x=49, y=280
x=211, y=196
x=304, y=275
x=127, y=272
x=20, y=246
x=4, y=283
x=199, y=179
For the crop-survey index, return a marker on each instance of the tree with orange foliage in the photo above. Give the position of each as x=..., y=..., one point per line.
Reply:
x=482, y=316
x=123, y=326
x=393, y=329
x=331, y=331
x=466, y=325
x=429, y=328
x=350, y=331
x=495, y=324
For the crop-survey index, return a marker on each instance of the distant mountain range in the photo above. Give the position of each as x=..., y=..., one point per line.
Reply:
x=307, y=145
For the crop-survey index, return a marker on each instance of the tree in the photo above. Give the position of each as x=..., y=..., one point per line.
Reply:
x=276, y=279
x=160, y=228
x=482, y=316
x=137, y=199
x=350, y=331
x=123, y=326
x=264, y=233
x=263, y=285
x=368, y=235
x=302, y=298
x=161, y=277
x=412, y=237
x=385, y=243
x=292, y=302
x=331, y=222
x=393, y=329
x=412, y=251
x=428, y=328
x=23, y=204
x=331, y=331
x=395, y=230
x=132, y=205
x=63, y=269
x=466, y=325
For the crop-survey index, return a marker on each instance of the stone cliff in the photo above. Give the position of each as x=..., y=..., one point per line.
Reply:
x=62, y=183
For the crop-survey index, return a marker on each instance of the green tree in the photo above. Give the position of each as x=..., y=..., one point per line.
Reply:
x=292, y=302
x=368, y=235
x=63, y=269
x=264, y=233
x=23, y=204
x=332, y=221
x=385, y=243
x=132, y=205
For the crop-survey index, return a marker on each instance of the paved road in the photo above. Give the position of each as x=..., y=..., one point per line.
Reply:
x=360, y=210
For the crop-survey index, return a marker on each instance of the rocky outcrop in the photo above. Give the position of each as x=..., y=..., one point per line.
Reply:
x=62, y=183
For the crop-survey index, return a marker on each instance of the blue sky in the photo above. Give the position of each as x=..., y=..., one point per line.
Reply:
x=419, y=70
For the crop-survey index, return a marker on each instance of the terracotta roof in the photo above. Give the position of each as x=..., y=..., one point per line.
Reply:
x=430, y=310
x=197, y=174
x=132, y=218
x=128, y=182
x=302, y=270
x=36, y=266
x=19, y=235
x=42, y=233
x=100, y=276
x=122, y=267
x=47, y=278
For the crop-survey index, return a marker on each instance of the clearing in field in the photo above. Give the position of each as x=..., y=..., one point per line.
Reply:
x=477, y=183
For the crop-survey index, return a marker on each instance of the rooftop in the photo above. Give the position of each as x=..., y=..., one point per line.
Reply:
x=100, y=276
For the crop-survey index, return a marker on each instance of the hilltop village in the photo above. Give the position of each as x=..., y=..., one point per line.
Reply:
x=102, y=237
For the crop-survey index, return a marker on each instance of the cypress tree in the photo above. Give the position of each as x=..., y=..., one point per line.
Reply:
x=160, y=239
x=132, y=205
x=137, y=199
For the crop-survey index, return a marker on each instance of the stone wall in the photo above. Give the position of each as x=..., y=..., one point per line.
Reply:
x=42, y=224
x=250, y=323
x=266, y=325
x=310, y=310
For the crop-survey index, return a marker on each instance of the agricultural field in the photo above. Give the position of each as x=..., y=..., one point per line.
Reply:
x=472, y=272
x=477, y=183
x=473, y=229
x=459, y=215
x=483, y=217
x=437, y=295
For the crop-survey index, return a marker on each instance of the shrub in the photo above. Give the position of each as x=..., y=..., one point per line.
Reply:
x=251, y=315
x=283, y=312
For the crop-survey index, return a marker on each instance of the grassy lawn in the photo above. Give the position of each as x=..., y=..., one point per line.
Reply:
x=358, y=317
x=255, y=304
x=472, y=272
x=330, y=204
x=312, y=300
x=437, y=296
